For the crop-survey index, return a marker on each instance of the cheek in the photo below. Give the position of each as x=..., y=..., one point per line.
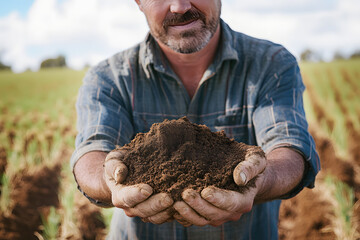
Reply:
x=155, y=13
x=209, y=7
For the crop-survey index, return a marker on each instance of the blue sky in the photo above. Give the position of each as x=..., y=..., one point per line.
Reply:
x=87, y=31
x=20, y=6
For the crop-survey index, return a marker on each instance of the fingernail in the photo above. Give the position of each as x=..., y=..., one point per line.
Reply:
x=120, y=173
x=243, y=177
x=166, y=201
x=209, y=197
x=117, y=176
x=207, y=194
x=189, y=194
x=145, y=192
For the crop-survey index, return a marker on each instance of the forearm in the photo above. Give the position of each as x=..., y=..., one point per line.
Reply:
x=89, y=174
x=284, y=171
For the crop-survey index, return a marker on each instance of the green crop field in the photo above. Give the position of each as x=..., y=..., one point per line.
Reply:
x=38, y=196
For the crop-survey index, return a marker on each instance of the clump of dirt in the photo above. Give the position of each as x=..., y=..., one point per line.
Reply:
x=3, y=160
x=89, y=219
x=295, y=212
x=32, y=194
x=177, y=154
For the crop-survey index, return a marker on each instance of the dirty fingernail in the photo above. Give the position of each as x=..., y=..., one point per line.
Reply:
x=166, y=201
x=145, y=192
x=120, y=173
x=243, y=177
x=207, y=194
x=189, y=194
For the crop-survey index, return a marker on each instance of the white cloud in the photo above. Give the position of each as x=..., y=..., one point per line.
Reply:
x=324, y=26
x=282, y=6
x=87, y=31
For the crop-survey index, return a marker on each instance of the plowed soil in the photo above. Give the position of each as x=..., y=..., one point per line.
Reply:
x=310, y=209
x=32, y=195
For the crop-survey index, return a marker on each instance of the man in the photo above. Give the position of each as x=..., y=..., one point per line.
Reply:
x=193, y=64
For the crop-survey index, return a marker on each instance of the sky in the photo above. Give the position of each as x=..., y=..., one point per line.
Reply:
x=88, y=31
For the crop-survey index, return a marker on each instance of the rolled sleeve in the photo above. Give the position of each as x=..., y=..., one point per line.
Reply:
x=279, y=121
x=103, y=120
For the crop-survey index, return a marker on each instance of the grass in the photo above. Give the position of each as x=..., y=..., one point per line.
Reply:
x=36, y=109
x=5, y=194
x=326, y=80
x=47, y=91
x=67, y=202
x=336, y=88
x=51, y=224
x=342, y=197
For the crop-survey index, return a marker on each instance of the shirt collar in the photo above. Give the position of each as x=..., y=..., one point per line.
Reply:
x=151, y=54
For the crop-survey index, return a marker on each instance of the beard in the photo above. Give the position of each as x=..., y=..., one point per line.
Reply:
x=187, y=41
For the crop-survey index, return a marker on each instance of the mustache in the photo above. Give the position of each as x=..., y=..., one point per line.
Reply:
x=177, y=18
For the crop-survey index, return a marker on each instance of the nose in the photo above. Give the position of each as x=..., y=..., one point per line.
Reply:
x=180, y=6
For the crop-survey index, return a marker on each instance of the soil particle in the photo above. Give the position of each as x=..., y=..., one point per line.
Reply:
x=177, y=154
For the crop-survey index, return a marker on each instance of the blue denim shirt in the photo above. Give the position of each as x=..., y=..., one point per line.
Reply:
x=252, y=90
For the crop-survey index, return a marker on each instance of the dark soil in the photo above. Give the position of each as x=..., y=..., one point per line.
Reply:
x=316, y=224
x=309, y=210
x=32, y=195
x=3, y=164
x=175, y=155
x=89, y=219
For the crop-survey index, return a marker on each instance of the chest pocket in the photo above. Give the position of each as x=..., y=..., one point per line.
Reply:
x=235, y=126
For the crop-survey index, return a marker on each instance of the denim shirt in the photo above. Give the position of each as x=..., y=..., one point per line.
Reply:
x=252, y=90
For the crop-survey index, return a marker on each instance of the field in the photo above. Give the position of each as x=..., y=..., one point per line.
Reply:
x=39, y=199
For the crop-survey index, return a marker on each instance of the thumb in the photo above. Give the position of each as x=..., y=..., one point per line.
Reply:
x=115, y=169
x=253, y=165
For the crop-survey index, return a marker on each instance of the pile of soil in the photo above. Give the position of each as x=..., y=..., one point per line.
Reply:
x=177, y=154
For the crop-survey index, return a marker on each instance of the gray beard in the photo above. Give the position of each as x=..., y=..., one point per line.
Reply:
x=190, y=41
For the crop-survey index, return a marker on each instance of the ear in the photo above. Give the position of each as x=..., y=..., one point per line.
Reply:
x=138, y=2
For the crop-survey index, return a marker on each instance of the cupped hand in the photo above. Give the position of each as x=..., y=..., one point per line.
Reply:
x=215, y=206
x=136, y=200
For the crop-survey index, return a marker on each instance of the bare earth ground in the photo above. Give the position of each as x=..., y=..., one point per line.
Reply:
x=32, y=195
x=307, y=216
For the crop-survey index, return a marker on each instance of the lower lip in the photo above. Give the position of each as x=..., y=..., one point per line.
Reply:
x=187, y=26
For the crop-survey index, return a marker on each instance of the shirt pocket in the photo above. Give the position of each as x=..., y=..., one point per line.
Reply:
x=235, y=127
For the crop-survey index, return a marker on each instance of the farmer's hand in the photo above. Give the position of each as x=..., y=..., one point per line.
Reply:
x=135, y=200
x=214, y=206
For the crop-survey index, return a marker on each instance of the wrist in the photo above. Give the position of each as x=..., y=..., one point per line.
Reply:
x=264, y=184
x=89, y=175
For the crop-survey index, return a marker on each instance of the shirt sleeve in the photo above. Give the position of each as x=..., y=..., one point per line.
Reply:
x=104, y=119
x=279, y=118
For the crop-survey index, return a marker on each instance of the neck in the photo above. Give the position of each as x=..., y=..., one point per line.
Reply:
x=191, y=67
